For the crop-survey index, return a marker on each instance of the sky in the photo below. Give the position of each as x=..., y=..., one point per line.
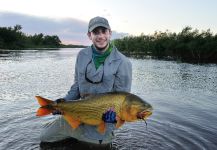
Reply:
x=69, y=18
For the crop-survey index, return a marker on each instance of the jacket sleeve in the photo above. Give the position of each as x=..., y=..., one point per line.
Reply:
x=123, y=77
x=73, y=93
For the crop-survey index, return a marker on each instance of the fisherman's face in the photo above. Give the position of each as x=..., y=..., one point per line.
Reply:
x=100, y=37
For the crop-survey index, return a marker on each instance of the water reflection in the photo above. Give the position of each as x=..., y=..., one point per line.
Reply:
x=183, y=96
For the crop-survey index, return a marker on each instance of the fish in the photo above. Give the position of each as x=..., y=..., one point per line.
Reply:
x=127, y=106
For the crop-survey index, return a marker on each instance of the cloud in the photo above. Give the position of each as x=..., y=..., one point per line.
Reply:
x=118, y=35
x=69, y=30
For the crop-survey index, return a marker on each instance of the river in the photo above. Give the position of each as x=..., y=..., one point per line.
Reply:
x=184, y=98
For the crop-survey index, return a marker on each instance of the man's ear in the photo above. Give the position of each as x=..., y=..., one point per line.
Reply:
x=110, y=33
x=89, y=35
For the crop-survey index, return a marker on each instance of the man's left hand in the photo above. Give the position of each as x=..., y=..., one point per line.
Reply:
x=109, y=116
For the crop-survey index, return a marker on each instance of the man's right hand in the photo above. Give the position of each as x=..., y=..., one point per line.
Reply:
x=58, y=112
x=59, y=100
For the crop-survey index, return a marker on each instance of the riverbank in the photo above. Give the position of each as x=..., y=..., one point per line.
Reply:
x=188, y=45
x=46, y=48
x=143, y=55
x=13, y=38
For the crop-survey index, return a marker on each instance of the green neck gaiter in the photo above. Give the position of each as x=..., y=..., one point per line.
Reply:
x=98, y=57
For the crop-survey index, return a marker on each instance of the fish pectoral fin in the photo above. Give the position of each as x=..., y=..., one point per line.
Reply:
x=101, y=128
x=120, y=122
x=73, y=123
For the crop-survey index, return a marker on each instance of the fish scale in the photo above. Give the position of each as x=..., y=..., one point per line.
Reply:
x=93, y=109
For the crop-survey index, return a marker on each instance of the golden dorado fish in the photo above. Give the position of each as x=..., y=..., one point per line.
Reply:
x=128, y=107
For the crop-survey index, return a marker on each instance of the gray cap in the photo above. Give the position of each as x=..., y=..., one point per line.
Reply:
x=98, y=22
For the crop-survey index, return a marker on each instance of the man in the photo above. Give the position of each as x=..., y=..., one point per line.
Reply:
x=99, y=68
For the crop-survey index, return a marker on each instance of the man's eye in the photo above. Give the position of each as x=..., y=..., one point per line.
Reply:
x=104, y=31
x=96, y=32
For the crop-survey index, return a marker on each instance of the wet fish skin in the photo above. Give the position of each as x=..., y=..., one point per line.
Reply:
x=128, y=107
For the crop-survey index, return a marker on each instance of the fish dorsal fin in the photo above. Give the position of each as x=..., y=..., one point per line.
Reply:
x=73, y=122
x=120, y=122
x=101, y=127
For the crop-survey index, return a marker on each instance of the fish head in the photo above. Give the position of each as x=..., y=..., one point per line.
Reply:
x=135, y=108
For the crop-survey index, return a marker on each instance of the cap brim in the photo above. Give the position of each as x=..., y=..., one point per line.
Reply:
x=98, y=25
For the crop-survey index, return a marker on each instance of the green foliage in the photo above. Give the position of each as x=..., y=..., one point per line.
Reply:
x=13, y=38
x=188, y=45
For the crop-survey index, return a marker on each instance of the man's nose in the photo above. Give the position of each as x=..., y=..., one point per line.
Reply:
x=100, y=34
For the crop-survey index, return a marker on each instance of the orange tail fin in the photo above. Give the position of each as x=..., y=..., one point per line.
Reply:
x=43, y=110
x=43, y=101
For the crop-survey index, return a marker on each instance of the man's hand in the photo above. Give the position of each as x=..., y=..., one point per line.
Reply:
x=109, y=116
x=59, y=100
x=57, y=112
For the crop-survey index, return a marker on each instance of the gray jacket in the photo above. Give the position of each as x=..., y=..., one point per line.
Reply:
x=115, y=74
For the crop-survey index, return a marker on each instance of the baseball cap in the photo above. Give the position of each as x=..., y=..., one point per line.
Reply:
x=98, y=22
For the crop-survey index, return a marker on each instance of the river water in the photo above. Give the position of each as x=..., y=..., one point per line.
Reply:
x=184, y=98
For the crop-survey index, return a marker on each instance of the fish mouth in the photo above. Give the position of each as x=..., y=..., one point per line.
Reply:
x=144, y=114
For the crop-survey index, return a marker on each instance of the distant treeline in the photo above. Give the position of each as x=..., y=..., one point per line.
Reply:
x=13, y=38
x=188, y=45
x=72, y=46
